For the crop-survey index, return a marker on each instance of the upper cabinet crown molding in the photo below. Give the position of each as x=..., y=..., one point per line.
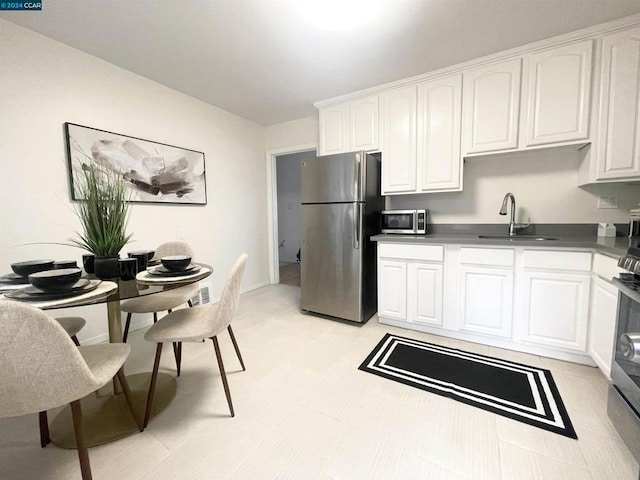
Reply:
x=588, y=33
x=577, y=89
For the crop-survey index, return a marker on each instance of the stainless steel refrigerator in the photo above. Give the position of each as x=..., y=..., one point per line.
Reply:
x=341, y=205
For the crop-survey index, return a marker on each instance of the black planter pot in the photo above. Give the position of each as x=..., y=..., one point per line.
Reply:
x=107, y=267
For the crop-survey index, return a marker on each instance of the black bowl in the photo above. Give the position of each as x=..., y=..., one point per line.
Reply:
x=55, y=280
x=24, y=269
x=176, y=263
x=60, y=264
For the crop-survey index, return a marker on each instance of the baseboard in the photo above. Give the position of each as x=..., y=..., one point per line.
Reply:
x=582, y=358
x=140, y=321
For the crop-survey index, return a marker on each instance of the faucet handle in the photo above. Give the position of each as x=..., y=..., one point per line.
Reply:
x=522, y=226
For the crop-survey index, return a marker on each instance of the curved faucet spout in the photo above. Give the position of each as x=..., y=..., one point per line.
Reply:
x=503, y=211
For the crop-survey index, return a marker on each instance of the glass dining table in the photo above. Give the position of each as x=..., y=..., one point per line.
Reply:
x=106, y=415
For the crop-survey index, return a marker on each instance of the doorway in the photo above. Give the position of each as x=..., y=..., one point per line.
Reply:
x=284, y=212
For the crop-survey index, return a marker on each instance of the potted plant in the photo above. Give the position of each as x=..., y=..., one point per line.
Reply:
x=103, y=213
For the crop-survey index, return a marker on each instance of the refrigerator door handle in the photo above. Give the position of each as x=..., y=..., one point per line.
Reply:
x=356, y=236
x=357, y=178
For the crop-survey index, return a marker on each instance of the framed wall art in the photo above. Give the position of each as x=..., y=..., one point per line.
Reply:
x=154, y=172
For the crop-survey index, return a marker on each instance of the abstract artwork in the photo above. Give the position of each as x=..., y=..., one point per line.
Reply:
x=154, y=172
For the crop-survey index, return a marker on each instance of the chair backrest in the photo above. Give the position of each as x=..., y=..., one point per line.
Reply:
x=40, y=367
x=173, y=248
x=228, y=305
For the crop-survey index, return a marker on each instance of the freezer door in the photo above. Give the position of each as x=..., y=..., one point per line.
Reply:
x=334, y=178
x=331, y=260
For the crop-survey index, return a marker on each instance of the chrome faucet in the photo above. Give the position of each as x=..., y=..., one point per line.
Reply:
x=513, y=226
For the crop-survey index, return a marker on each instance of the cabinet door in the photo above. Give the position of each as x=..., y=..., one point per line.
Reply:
x=559, y=93
x=485, y=300
x=399, y=147
x=618, y=148
x=392, y=289
x=439, y=125
x=363, y=124
x=556, y=309
x=602, y=323
x=425, y=293
x=491, y=107
x=333, y=125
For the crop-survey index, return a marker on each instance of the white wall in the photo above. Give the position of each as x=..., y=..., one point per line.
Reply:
x=544, y=183
x=44, y=84
x=290, y=134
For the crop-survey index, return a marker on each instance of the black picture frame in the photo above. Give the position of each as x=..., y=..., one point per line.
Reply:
x=154, y=172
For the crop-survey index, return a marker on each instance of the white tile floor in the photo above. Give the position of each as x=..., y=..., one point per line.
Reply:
x=304, y=411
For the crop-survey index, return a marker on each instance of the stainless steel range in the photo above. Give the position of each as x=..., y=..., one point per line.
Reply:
x=623, y=405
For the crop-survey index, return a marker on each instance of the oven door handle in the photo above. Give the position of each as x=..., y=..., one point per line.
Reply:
x=629, y=292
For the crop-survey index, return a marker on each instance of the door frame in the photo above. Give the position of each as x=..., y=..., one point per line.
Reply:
x=272, y=203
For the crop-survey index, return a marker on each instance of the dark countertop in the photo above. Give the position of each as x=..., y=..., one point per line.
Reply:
x=611, y=246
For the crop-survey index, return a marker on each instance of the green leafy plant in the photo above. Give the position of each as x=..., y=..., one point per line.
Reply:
x=103, y=211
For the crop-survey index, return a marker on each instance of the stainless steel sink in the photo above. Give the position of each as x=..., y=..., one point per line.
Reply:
x=517, y=237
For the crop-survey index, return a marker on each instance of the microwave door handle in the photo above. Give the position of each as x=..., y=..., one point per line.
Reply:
x=356, y=233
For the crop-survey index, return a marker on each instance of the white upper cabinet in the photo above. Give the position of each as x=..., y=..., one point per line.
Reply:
x=618, y=146
x=439, y=123
x=363, y=124
x=398, y=112
x=349, y=127
x=559, y=92
x=491, y=107
x=333, y=124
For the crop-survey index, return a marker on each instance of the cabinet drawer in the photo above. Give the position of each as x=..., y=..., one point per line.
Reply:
x=606, y=267
x=557, y=260
x=429, y=253
x=500, y=257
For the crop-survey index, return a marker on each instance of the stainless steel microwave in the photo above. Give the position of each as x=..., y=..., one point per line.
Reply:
x=412, y=222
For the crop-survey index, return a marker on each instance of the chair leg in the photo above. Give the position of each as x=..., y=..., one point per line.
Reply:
x=152, y=387
x=122, y=378
x=83, y=453
x=177, y=353
x=75, y=340
x=223, y=374
x=125, y=335
x=235, y=345
x=155, y=317
x=45, y=439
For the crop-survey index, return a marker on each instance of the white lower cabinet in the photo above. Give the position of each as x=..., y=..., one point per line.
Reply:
x=604, y=309
x=392, y=289
x=533, y=300
x=555, y=309
x=485, y=300
x=602, y=323
x=410, y=283
x=424, y=295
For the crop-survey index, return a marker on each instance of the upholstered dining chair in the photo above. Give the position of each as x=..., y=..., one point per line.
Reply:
x=162, y=301
x=72, y=325
x=194, y=324
x=43, y=369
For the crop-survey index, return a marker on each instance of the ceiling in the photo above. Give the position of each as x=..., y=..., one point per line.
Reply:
x=264, y=61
